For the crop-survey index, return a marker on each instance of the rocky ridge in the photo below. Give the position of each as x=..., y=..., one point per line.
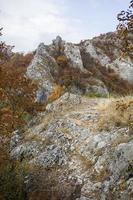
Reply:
x=66, y=135
x=99, y=57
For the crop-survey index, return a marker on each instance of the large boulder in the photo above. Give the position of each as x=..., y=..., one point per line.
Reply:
x=98, y=88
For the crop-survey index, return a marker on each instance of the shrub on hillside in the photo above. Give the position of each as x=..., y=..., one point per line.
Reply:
x=17, y=92
x=52, y=184
x=12, y=177
x=125, y=30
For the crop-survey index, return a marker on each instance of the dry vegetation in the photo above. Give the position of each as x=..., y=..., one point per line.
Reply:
x=108, y=43
x=114, y=83
x=56, y=93
x=112, y=80
x=17, y=93
x=118, y=112
x=125, y=30
x=53, y=185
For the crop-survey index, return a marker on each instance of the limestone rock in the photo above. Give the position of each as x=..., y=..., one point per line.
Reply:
x=98, y=88
x=105, y=50
x=72, y=53
x=15, y=139
x=58, y=44
x=102, y=51
x=123, y=67
x=53, y=155
x=26, y=150
x=66, y=134
x=42, y=68
x=66, y=99
x=96, y=53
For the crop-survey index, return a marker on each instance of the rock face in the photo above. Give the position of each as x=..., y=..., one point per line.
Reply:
x=96, y=53
x=58, y=44
x=101, y=52
x=124, y=67
x=98, y=88
x=72, y=53
x=105, y=51
x=111, y=55
x=41, y=69
x=66, y=135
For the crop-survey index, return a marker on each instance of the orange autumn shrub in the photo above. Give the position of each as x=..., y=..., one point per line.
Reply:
x=17, y=92
x=56, y=93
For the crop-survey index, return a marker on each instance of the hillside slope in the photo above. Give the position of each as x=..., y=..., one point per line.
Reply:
x=66, y=138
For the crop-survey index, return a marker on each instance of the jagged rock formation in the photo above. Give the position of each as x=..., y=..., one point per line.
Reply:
x=124, y=68
x=72, y=53
x=41, y=69
x=108, y=48
x=99, y=57
x=66, y=135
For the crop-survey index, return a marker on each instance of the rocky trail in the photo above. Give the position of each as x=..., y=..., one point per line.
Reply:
x=67, y=135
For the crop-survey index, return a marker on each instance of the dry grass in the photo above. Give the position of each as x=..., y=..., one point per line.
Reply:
x=101, y=176
x=117, y=112
x=32, y=137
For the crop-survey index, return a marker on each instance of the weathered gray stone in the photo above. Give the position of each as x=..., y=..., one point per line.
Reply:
x=98, y=88
x=26, y=150
x=41, y=69
x=58, y=44
x=96, y=53
x=65, y=99
x=15, y=139
x=123, y=67
x=72, y=53
x=122, y=160
x=66, y=134
x=53, y=155
x=44, y=67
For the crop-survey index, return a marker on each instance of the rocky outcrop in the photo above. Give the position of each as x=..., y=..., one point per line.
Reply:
x=105, y=51
x=72, y=53
x=124, y=67
x=90, y=56
x=58, y=44
x=96, y=53
x=41, y=69
x=96, y=87
x=100, y=161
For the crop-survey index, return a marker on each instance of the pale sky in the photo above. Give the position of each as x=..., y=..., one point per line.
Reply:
x=26, y=23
